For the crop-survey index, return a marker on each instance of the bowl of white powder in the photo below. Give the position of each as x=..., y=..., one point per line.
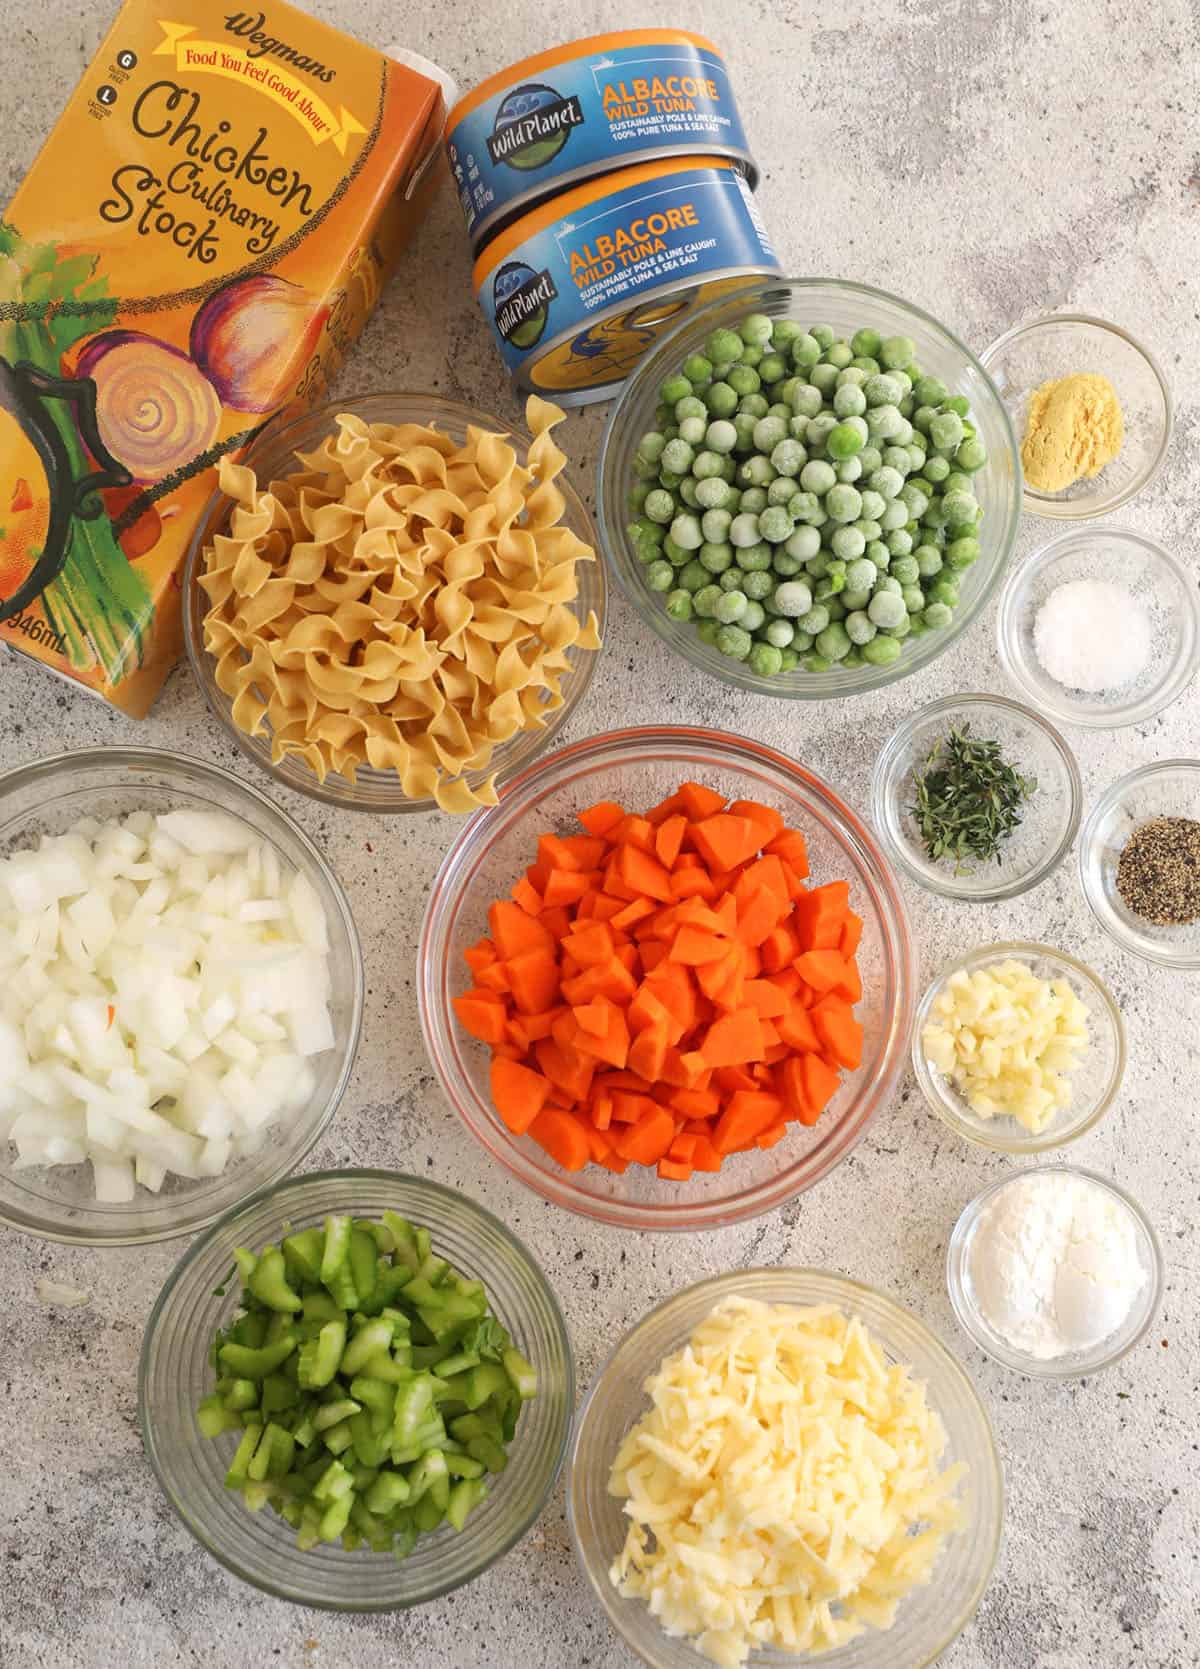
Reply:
x=1100, y=628
x=1054, y=1272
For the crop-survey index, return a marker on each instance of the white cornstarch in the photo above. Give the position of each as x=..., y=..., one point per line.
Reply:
x=1092, y=635
x=1054, y=1264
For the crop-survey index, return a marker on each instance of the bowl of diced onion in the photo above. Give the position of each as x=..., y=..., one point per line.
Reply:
x=847, y=1363
x=1019, y=1047
x=181, y=995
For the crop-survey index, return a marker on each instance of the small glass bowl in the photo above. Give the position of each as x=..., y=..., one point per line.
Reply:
x=845, y=307
x=637, y=768
x=271, y=456
x=1094, y=1083
x=1162, y=585
x=48, y=797
x=1079, y=1362
x=1170, y=788
x=1029, y=355
x=929, y=1617
x=175, y=1374
x=1050, y=816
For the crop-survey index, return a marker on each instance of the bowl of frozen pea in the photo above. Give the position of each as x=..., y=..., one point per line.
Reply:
x=809, y=488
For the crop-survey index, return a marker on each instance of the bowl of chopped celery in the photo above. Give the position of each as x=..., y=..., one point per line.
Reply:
x=784, y=1362
x=1019, y=1047
x=356, y=1390
x=809, y=488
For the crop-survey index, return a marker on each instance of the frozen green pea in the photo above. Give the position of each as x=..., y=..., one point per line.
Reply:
x=917, y=625
x=768, y=432
x=838, y=354
x=937, y=615
x=844, y=440
x=958, y=404
x=687, y=492
x=962, y=509
x=961, y=553
x=706, y=630
x=720, y=436
x=712, y=493
x=883, y=422
x=753, y=559
x=882, y=390
x=871, y=458
x=901, y=629
x=639, y=493
x=716, y=557
x=848, y=470
x=895, y=515
x=852, y=376
x=929, y=561
x=860, y=628
x=755, y=406
x=900, y=542
x=754, y=616
x=885, y=582
x=867, y=342
x=675, y=554
x=743, y=530
x=851, y=600
x=660, y=576
x=679, y=604
x=922, y=419
x=696, y=368
x=803, y=504
x=817, y=566
x=693, y=576
x=823, y=334
x=872, y=503
x=788, y=456
x=824, y=377
x=806, y=351
x=794, y=598
x=784, y=332
x=734, y=642
x=651, y=445
x=780, y=633
x=720, y=400
x=837, y=608
x=723, y=344
x=860, y=574
x=707, y=465
x=887, y=609
x=758, y=583
x=817, y=476
x=864, y=363
x=896, y=457
x=814, y=621
x=806, y=400
x=775, y=524
x=755, y=329
x=744, y=379
x=878, y=554
x=772, y=367
x=730, y=580
x=765, y=660
x=946, y=431
x=688, y=407
x=677, y=456
x=971, y=456
x=730, y=607
x=895, y=352
x=943, y=590
x=833, y=642
x=815, y=663
x=843, y=502
x=881, y=651
x=743, y=428
x=915, y=501
x=705, y=600
x=777, y=408
x=804, y=542
x=685, y=530
x=692, y=430
x=714, y=525
x=754, y=500
x=868, y=527
x=783, y=565
x=674, y=389
x=659, y=505
x=886, y=482
x=913, y=598
x=904, y=568
x=930, y=391
x=644, y=529
x=800, y=644
x=848, y=543
x=849, y=401
x=819, y=428
x=782, y=490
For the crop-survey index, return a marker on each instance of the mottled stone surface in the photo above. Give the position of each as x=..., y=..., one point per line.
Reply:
x=990, y=160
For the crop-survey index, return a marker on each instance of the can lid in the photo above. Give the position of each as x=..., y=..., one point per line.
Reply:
x=426, y=67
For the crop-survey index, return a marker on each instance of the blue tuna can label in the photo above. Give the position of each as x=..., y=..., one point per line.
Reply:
x=578, y=290
x=586, y=109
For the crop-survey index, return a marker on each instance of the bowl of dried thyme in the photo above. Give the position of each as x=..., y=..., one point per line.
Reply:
x=976, y=797
x=1139, y=862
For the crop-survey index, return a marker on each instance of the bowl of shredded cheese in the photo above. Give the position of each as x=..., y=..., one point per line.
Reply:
x=393, y=602
x=1019, y=1047
x=784, y=1462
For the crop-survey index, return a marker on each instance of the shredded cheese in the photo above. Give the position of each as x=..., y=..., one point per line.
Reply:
x=784, y=1488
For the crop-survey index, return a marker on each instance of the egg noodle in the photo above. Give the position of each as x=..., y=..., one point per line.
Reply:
x=784, y=1488
x=401, y=602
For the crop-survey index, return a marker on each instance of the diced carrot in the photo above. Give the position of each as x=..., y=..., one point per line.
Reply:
x=613, y=1162
x=819, y=916
x=533, y=980
x=480, y=955
x=519, y=1094
x=733, y=1039
x=758, y=916
x=852, y=931
x=849, y=987
x=670, y=1171
x=637, y=832
x=694, y=946
x=527, y=896
x=787, y=980
x=483, y=1014
x=840, y=1033
x=779, y=949
x=514, y=932
x=692, y=883
x=797, y=1030
x=695, y=1103
x=602, y=906
x=820, y=1083
x=682, y=1148
x=822, y=969
x=696, y=801
x=563, y=1136
x=767, y=1000
x=613, y=1046
x=770, y=820
x=648, y=1052
x=645, y=1142
x=664, y=809
x=601, y=1110
x=668, y=838
x=768, y=1138
x=763, y=872
x=540, y=1025
x=644, y=873
x=731, y=1079
x=747, y=1114
x=724, y=841
x=591, y=945
x=705, y=1157
x=495, y=978
x=593, y=1017
x=654, y=955
x=631, y=913
x=599, y=1146
x=602, y=817
x=576, y=852
x=790, y=845
x=569, y=1070
x=556, y=919
x=568, y=886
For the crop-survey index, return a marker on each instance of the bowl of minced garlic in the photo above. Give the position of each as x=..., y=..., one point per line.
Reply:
x=1092, y=407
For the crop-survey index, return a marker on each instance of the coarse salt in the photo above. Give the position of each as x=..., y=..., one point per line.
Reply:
x=1092, y=635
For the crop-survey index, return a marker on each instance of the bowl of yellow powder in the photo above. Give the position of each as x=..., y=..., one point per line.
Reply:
x=1091, y=408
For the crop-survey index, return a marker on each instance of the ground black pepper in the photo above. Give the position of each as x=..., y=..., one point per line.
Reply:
x=1158, y=873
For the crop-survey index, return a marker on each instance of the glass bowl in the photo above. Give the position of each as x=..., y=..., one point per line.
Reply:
x=1051, y=815
x=1122, y=557
x=259, y=1547
x=930, y=1617
x=1094, y=1082
x=1079, y=1362
x=1170, y=788
x=1025, y=357
x=49, y=796
x=271, y=455
x=845, y=307
x=637, y=768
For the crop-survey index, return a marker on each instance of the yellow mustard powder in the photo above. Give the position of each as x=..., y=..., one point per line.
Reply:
x=1073, y=429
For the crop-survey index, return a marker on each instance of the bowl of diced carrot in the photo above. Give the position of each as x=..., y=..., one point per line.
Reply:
x=667, y=980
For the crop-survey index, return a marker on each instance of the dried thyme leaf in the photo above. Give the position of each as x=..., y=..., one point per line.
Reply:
x=968, y=799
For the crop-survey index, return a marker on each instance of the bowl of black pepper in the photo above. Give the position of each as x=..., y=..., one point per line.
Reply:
x=976, y=797
x=1139, y=862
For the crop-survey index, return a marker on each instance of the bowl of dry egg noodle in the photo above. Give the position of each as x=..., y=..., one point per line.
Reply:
x=392, y=601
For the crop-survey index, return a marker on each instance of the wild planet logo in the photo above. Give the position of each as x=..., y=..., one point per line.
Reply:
x=532, y=125
x=521, y=302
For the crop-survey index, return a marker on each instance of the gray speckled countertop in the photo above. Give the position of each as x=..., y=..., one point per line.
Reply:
x=991, y=160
